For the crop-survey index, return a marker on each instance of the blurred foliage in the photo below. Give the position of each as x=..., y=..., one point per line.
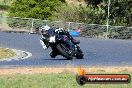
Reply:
x=4, y=7
x=81, y=14
x=39, y=9
x=121, y=12
x=94, y=13
x=6, y=2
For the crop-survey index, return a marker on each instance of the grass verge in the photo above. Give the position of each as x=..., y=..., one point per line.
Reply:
x=6, y=53
x=60, y=80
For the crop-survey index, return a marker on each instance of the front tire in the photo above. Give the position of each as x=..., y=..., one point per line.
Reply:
x=63, y=53
x=79, y=55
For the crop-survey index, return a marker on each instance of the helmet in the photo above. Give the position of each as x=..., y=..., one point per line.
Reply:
x=46, y=27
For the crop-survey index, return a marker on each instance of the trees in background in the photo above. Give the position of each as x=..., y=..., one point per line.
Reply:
x=94, y=13
x=121, y=12
x=39, y=9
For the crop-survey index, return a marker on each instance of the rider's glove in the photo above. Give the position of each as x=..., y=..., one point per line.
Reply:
x=43, y=45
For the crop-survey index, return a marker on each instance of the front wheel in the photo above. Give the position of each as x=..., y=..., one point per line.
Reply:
x=79, y=53
x=64, y=51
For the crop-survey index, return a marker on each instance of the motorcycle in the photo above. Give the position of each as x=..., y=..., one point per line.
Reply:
x=61, y=47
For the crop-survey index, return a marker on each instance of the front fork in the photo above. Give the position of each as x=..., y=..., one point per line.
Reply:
x=77, y=48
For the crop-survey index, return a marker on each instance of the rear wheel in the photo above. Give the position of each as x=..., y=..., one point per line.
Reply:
x=64, y=51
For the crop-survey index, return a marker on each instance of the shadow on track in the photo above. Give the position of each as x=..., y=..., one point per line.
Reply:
x=57, y=59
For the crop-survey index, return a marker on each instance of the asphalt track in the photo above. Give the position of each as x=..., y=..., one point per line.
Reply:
x=98, y=52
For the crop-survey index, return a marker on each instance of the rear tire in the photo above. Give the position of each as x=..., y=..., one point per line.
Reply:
x=63, y=53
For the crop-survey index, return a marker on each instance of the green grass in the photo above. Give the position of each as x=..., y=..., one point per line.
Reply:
x=62, y=80
x=6, y=53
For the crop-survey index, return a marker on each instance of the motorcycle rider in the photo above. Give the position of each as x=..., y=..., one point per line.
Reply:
x=47, y=31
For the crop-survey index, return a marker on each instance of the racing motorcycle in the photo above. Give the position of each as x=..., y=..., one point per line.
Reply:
x=58, y=43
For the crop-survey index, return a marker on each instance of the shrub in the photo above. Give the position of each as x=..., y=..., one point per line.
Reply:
x=4, y=7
